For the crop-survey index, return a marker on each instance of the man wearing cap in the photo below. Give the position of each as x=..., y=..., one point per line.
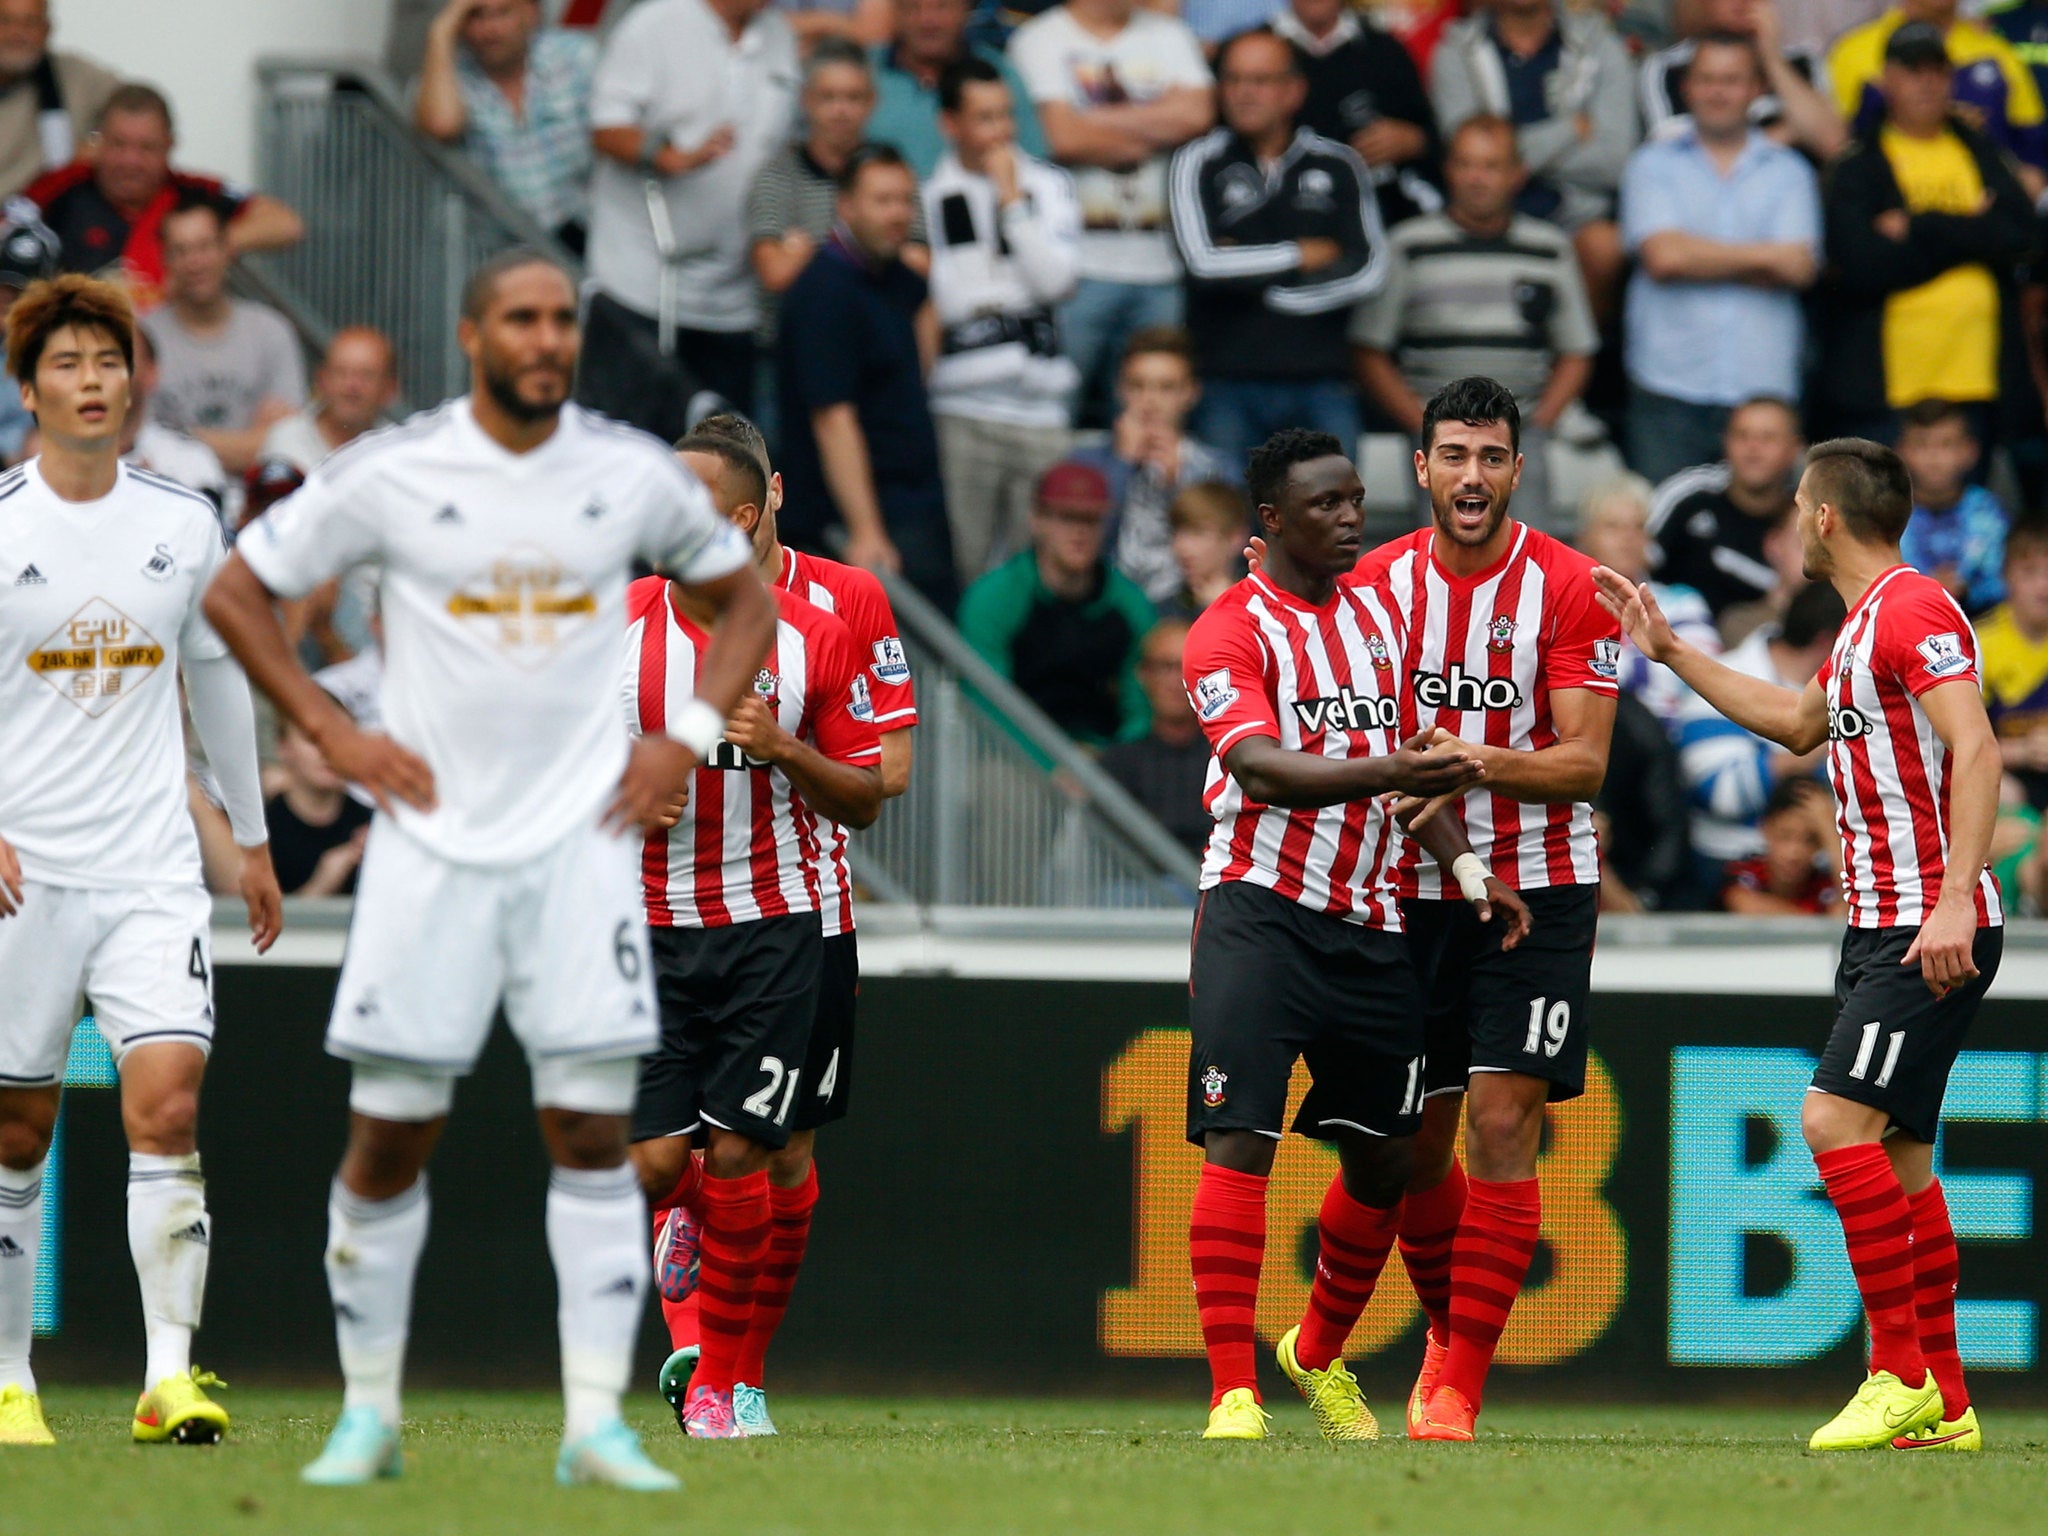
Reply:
x=1990, y=81
x=1059, y=622
x=1925, y=224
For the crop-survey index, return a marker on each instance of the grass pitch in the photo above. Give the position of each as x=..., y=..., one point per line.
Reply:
x=483, y=1462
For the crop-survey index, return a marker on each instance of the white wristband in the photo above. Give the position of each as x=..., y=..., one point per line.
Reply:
x=697, y=726
x=1470, y=875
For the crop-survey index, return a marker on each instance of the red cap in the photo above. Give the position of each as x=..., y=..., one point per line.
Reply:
x=1075, y=486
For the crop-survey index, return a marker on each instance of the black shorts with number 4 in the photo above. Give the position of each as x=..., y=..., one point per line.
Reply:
x=1271, y=983
x=1519, y=1011
x=828, y=1068
x=736, y=1009
x=1894, y=1041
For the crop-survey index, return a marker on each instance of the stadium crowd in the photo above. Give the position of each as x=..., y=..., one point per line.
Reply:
x=1013, y=289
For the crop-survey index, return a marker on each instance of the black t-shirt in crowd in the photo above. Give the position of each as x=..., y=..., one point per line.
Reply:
x=1167, y=781
x=296, y=846
x=1706, y=542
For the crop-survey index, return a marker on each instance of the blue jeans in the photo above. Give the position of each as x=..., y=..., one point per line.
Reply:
x=1236, y=415
x=1094, y=325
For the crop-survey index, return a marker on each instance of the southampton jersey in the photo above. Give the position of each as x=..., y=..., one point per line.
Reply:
x=1484, y=654
x=99, y=603
x=857, y=598
x=747, y=845
x=1261, y=662
x=502, y=581
x=1889, y=769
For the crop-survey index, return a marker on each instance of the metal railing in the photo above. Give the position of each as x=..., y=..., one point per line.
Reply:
x=395, y=223
x=985, y=823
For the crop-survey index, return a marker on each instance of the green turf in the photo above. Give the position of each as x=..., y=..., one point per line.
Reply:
x=483, y=1463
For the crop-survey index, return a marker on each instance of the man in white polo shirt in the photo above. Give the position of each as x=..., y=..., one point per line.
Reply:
x=691, y=97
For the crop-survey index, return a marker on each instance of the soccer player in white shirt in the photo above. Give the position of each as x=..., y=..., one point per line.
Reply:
x=100, y=888
x=501, y=865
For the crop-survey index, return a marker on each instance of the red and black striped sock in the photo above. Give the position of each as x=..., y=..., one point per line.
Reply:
x=1490, y=1259
x=1877, y=1222
x=1935, y=1271
x=789, y=1232
x=1429, y=1225
x=1355, y=1241
x=735, y=1216
x=1226, y=1246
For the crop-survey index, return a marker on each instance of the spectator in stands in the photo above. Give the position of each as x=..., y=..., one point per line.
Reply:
x=231, y=368
x=1641, y=817
x=1725, y=226
x=1795, y=108
x=929, y=35
x=790, y=205
x=355, y=384
x=48, y=101
x=2012, y=649
x=1364, y=90
x=1730, y=773
x=1118, y=89
x=1564, y=80
x=1166, y=769
x=1613, y=530
x=1149, y=456
x=1481, y=289
x=108, y=212
x=1006, y=248
x=1785, y=554
x=317, y=831
x=857, y=333
x=516, y=96
x=1991, y=84
x=863, y=23
x=2024, y=26
x=28, y=253
x=1957, y=534
x=1709, y=522
x=1210, y=521
x=147, y=443
x=1278, y=233
x=1059, y=622
x=1798, y=870
x=690, y=100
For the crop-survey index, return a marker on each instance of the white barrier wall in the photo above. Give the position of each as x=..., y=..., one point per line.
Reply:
x=202, y=55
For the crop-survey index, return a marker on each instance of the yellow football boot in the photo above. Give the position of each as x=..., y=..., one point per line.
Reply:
x=21, y=1419
x=177, y=1409
x=1332, y=1393
x=1883, y=1408
x=1237, y=1417
x=1945, y=1435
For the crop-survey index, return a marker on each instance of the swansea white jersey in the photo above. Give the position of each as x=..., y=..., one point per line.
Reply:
x=99, y=603
x=503, y=589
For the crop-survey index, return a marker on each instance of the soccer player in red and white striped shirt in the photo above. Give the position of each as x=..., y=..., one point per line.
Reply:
x=1509, y=652
x=857, y=598
x=1294, y=674
x=732, y=892
x=1915, y=770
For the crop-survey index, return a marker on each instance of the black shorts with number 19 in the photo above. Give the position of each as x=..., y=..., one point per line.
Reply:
x=1271, y=983
x=736, y=1010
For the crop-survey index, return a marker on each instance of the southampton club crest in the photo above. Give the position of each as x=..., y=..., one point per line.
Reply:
x=766, y=686
x=1212, y=1086
x=1376, y=648
x=1500, y=635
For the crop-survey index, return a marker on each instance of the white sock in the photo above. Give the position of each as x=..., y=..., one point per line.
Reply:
x=21, y=1230
x=597, y=1235
x=168, y=1235
x=373, y=1252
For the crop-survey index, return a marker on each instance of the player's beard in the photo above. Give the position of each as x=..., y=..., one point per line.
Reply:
x=503, y=388
x=1445, y=518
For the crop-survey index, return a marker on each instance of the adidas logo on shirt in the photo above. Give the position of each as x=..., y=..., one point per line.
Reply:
x=10, y=1249
x=30, y=577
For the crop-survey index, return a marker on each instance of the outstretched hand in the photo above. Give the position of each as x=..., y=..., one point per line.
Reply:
x=1636, y=607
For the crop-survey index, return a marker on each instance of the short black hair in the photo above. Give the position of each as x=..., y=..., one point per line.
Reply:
x=1266, y=471
x=967, y=70
x=753, y=478
x=828, y=51
x=1477, y=401
x=1815, y=613
x=737, y=430
x=1790, y=795
x=1864, y=481
x=483, y=282
x=1922, y=414
x=1776, y=403
x=2028, y=536
x=865, y=156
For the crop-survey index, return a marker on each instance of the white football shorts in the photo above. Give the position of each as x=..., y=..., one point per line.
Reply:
x=434, y=947
x=140, y=959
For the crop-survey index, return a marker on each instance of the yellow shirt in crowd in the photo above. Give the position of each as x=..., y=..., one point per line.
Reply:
x=1940, y=339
